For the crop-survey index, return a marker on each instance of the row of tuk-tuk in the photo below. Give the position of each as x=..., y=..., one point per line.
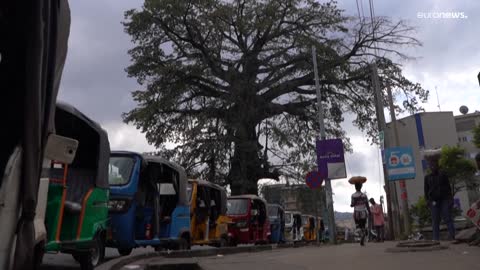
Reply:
x=91, y=198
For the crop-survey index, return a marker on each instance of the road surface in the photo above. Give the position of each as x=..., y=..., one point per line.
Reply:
x=66, y=261
x=341, y=257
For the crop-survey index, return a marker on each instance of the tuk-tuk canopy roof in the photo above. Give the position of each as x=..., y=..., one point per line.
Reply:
x=207, y=183
x=103, y=155
x=248, y=196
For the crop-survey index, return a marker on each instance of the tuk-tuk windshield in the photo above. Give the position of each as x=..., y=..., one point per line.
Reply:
x=120, y=170
x=288, y=218
x=272, y=212
x=237, y=206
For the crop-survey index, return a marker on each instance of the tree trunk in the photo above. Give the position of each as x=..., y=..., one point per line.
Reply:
x=246, y=166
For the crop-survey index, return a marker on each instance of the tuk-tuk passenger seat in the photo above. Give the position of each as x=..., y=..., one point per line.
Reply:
x=79, y=182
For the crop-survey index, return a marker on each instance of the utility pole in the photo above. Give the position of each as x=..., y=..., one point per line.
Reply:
x=403, y=184
x=390, y=189
x=328, y=185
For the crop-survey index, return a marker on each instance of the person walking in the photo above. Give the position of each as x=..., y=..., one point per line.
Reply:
x=322, y=230
x=378, y=220
x=438, y=194
x=361, y=211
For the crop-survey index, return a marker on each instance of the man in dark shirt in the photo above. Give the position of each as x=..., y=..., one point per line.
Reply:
x=438, y=194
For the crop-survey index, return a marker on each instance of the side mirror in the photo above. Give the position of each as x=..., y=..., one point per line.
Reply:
x=61, y=148
x=166, y=189
x=254, y=212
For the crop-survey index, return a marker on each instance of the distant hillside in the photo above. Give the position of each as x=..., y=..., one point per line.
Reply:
x=344, y=220
x=343, y=215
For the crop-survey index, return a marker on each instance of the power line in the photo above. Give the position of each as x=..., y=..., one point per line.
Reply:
x=372, y=15
x=361, y=6
x=358, y=10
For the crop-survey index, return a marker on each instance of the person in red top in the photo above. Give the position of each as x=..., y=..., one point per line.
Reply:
x=378, y=219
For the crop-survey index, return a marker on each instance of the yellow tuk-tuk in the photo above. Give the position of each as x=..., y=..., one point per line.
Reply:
x=309, y=228
x=208, y=208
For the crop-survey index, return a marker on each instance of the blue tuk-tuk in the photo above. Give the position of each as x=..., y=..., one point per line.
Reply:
x=276, y=215
x=148, y=203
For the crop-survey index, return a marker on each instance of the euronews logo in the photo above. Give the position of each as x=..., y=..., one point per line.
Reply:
x=442, y=15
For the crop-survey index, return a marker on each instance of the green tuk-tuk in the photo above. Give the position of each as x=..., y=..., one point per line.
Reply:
x=78, y=193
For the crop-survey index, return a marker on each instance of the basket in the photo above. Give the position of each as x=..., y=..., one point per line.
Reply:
x=357, y=180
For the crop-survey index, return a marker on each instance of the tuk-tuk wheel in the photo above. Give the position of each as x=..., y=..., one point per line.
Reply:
x=38, y=254
x=98, y=252
x=183, y=244
x=124, y=251
x=85, y=260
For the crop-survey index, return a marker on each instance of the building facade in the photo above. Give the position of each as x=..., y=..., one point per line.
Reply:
x=297, y=197
x=428, y=130
x=465, y=125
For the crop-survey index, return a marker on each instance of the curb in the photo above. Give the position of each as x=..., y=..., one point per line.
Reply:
x=417, y=249
x=418, y=244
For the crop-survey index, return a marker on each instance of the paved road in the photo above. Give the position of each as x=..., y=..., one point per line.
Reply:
x=342, y=257
x=65, y=261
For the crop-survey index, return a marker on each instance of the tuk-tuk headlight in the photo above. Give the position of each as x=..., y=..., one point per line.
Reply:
x=117, y=205
x=241, y=224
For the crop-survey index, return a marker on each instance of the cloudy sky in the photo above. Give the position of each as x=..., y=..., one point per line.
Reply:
x=95, y=82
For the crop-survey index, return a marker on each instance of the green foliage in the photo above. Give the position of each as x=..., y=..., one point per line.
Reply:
x=216, y=76
x=420, y=212
x=476, y=136
x=460, y=170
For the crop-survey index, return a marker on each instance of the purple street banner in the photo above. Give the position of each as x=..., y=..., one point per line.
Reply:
x=330, y=159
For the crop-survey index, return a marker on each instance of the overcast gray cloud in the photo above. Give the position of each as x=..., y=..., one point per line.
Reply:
x=94, y=79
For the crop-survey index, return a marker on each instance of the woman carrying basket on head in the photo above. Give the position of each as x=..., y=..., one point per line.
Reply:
x=360, y=205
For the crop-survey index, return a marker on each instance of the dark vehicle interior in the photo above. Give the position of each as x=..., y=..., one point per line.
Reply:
x=209, y=204
x=217, y=207
x=297, y=221
x=82, y=171
x=311, y=221
x=202, y=211
x=259, y=219
x=150, y=200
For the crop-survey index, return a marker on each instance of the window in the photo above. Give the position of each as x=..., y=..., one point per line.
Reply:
x=465, y=125
x=119, y=170
x=237, y=206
